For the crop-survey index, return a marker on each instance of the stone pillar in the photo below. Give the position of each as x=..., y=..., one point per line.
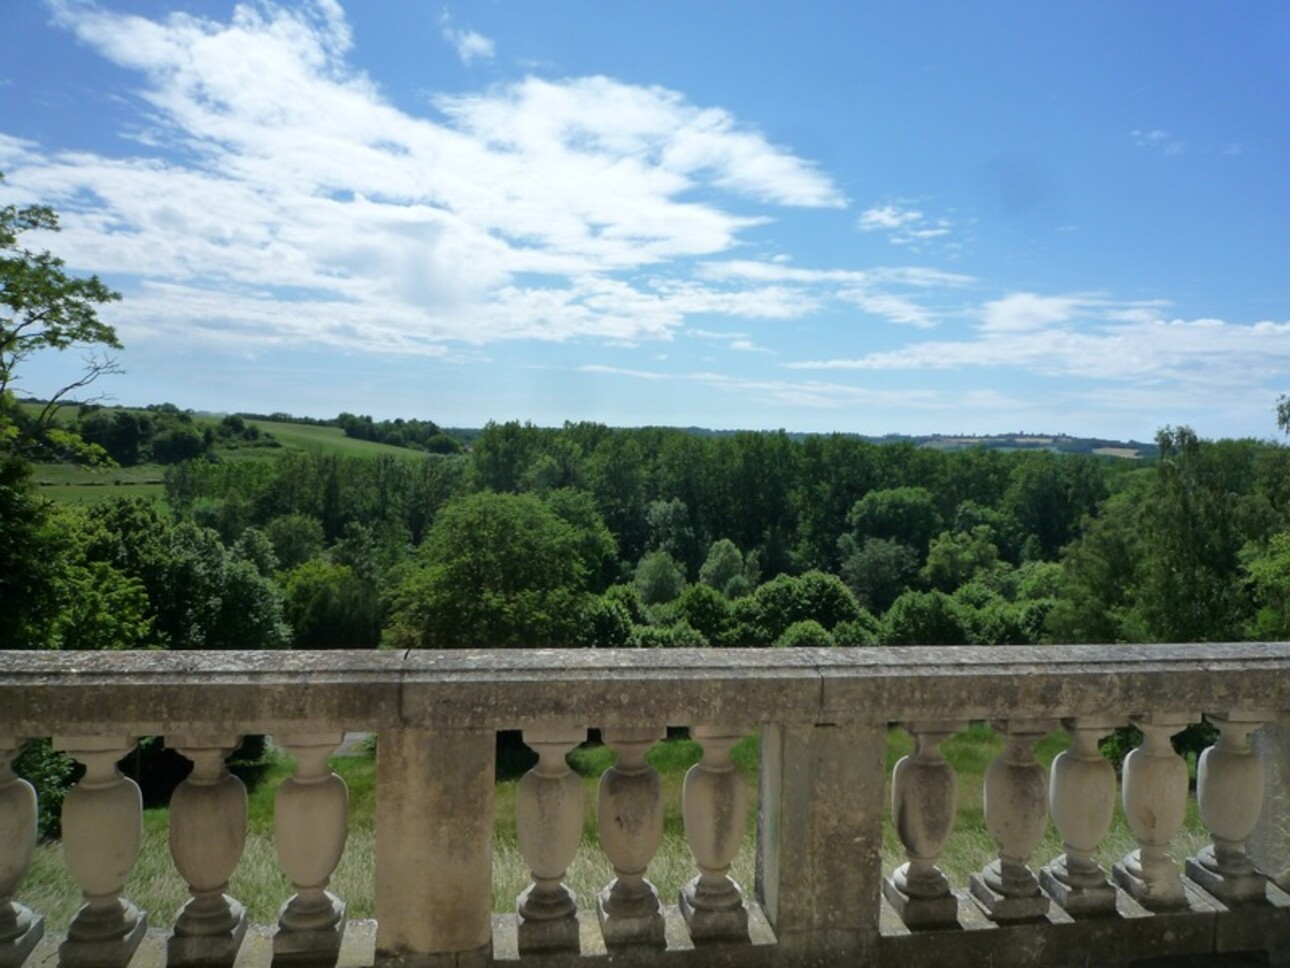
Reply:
x=208, y=815
x=631, y=826
x=310, y=826
x=923, y=803
x=1269, y=843
x=1016, y=814
x=715, y=810
x=434, y=847
x=819, y=844
x=102, y=832
x=548, y=826
x=20, y=930
x=1229, y=789
x=1082, y=802
x=1155, y=804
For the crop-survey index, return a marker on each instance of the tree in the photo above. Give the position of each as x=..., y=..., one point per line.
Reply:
x=878, y=570
x=904, y=514
x=42, y=307
x=659, y=578
x=495, y=571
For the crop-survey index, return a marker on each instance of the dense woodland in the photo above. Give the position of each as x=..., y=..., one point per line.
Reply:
x=596, y=537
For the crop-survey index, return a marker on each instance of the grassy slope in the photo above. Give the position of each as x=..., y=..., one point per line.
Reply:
x=155, y=886
x=68, y=484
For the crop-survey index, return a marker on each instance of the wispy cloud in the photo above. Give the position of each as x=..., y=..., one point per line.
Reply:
x=1158, y=139
x=470, y=46
x=1095, y=338
x=276, y=197
x=904, y=225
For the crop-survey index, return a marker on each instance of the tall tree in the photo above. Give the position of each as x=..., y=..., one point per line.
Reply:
x=42, y=307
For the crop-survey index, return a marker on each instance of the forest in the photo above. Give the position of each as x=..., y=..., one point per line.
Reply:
x=590, y=536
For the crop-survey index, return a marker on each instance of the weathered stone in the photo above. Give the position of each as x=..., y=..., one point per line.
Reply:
x=630, y=810
x=20, y=930
x=819, y=819
x=434, y=845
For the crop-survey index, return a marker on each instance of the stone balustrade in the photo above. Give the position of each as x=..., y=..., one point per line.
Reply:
x=820, y=897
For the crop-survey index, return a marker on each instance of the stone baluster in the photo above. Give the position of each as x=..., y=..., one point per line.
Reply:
x=548, y=825
x=1229, y=788
x=102, y=833
x=631, y=826
x=20, y=930
x=715, y=810
x=923, y=801
x=1016, y=814
x=1082, y=801
x=310, y=825
x=1155, y=804
x=208, y=815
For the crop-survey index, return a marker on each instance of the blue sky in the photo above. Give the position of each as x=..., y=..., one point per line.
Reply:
x=961, y=217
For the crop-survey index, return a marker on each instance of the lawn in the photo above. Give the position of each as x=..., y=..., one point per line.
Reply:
x=259, y=883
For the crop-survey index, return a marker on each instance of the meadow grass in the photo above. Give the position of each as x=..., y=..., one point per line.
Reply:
x=329, y=440
x=259, y=883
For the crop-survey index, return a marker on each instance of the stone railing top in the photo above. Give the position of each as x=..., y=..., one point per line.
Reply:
x=159, y=692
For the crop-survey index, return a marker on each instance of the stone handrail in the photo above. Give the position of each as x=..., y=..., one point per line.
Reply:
x=823, y=716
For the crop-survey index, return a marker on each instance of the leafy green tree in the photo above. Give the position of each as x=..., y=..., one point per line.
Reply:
x=1269, y=580
x=1050, y=494
x=329, y=606
x=956, y=557
x=787, y=599
x=905, y=514
x=296, y=538
x=877, y=570
x=495, y=571
x=724, y=562
x=598, y=550
x=659, y=578
x=924, y=618
x=805, y=634
x=863, y=631
x=707, y=610
x=669, y=529
x=43, y=308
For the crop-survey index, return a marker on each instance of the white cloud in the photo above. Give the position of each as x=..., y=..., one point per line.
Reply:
x=274, y=195
x=1096, y=339
x=470, y=46
x=873, y=291
x=1158, y=139
x=904, y=226
x=887, y=217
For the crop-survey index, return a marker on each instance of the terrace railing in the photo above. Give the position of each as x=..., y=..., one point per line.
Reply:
x=820, y=896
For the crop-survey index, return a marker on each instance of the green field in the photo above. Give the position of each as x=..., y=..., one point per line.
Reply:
x=70, y=484
x=326, y=440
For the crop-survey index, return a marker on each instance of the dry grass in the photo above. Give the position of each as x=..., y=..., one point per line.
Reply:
x=259, y=883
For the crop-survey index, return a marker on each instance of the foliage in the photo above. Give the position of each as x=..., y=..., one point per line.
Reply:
x=924, y=618
x=905, y=514
x=788, y=599
x=804, y=634
x=877, y=570
x=496, y=570
x=43, y=308
x=328, y=606
x=659, y=578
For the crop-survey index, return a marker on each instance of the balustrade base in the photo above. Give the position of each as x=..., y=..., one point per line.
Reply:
x=1079, y=901
x=216, y=950
x=1155, y=896
x=922, y=912
x=710, y=923
x=1007, y=908
x=106, y=953
x=1228, y=888
x=540, y=937
x=27, y=930
x=638, y=921
x=315, y=946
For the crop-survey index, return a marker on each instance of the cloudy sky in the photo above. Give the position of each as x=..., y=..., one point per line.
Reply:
x=879, y=217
